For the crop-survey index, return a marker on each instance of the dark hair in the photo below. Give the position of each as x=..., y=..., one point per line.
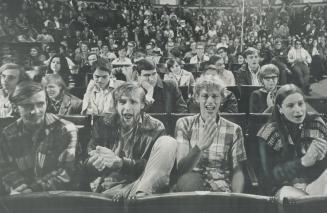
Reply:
x=282, y=93
x=25, y=90
x=170, y=63
x=250, y=51
x=144, y=64
x=213, y=59
x=64, y=69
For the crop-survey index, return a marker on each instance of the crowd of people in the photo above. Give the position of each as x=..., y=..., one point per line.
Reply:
x=160, y=60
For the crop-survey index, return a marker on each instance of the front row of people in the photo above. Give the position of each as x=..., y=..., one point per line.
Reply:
x=129, y=154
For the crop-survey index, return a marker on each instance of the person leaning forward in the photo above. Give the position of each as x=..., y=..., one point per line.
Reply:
x=128, y=153
x=37, y=152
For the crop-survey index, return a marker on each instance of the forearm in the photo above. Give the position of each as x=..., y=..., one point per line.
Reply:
x=189, y=161
x=238, y=180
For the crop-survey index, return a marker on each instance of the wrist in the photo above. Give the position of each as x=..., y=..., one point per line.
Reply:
x=304, y=162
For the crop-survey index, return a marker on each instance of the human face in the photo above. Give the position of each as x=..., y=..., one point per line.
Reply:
x=92, y=59
x=53, y=90
x=101, y=78
x=149, y=76
x=9, y=79
x=253, y=61
x=270, y=82
x=278, y=45
x=220, y=65
x=55, y=65
x=200, y=50
x=129, y=108
x=32, y=110
x=122, y=53
x=240, y=59
x=176, y=68
x=294, y=108
x=33, y=52
x=297, y=45
x=209, y=101
x=84, y=48
x=148, y=49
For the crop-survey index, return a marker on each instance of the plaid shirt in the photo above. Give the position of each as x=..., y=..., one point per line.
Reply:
x=225, y=153
x=134, y=150
x=43, y=160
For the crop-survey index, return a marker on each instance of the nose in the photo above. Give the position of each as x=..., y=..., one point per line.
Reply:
x=35, y=110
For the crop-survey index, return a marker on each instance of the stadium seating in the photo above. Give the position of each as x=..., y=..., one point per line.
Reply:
x=59, y=202
x=204, y=202
x=316, y=204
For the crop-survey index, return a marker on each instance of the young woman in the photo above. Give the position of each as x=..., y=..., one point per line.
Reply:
x=293, y=147
x=59, y=65
x=262, y=100
x=58, y=98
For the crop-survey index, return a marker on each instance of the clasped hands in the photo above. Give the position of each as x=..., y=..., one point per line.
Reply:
x=103, y=157
x=316, y=151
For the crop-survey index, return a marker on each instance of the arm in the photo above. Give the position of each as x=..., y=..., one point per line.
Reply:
x=238, y=180
x=290, y=56
x=61, y=176
x=254, y=103
x=180, y=104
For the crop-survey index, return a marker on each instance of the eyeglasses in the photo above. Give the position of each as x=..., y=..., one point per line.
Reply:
x=270, y=77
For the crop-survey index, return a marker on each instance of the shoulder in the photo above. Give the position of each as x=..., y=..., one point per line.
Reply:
x=151, y=123
x=187, y=121
x=12, y=129
x=269, y=133
x=55, y=121
x=170, y=84
x=229, y=125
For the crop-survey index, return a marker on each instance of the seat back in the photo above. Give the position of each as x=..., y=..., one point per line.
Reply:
x=78, y=92
x=317, y=103
x=316, y=204
x=60, y=202
x=204, y=202
x=83, y=124
x=246, y=91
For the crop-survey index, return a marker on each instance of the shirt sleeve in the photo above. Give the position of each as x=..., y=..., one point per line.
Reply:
x=238, y=153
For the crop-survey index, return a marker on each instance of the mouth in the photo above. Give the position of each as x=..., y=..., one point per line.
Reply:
x=210, y=108
x=298, y=117
x=127, y=116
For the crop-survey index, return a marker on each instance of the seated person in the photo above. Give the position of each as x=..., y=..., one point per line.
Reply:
x=183, y=78
x=10, y=75
x=228, y=102
x=225, y=75
x=293, y=148
x=37, y=152
x=128, y=152
x=97, y=99
x=210, y=148
x=248, y=73
x=262, y=100
x=162, y=96
x=59, y=100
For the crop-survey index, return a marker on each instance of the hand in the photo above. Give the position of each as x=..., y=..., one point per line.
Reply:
x=149, y=92
x=20, y=190
x=317, y=151
x=209, y=134
x=111, y=160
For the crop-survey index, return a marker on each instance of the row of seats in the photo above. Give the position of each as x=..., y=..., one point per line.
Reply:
x=242, y=94
x=191, y=202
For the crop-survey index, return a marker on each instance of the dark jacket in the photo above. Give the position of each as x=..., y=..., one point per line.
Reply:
x=258, y=101
x=281, y=167
x=70, y=105
x=167, y=98
x=106, y=133
x=243, y=76
x=43, y=161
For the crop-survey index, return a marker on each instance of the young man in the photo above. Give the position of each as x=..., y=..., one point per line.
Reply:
x=248, y=73
x=128, y=151
x=161, y=96
x=210, y=149
x=10, y=75
x=37, y=152
x=97, y=99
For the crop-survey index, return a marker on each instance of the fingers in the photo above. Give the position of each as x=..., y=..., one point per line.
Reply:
x=93, y=158
x=99, y=164
x=21, y=188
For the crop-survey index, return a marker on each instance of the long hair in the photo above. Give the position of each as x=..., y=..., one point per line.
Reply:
x=55, y=79
x=277, y=117
x=64, y=68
